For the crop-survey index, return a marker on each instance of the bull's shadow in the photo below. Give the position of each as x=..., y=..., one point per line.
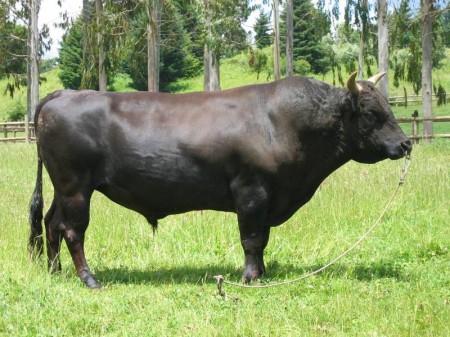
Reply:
x=275, y=272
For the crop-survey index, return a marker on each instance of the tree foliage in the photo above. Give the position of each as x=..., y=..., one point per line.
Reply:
x=262, y=29
x=310, y=26
x=178, y=58
x=71, y=57
x=406, y=44
x=14, y=18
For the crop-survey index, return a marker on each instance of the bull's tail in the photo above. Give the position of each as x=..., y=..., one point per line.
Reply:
x=36, y=242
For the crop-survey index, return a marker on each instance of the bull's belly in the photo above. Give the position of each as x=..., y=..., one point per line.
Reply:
x=168, y=190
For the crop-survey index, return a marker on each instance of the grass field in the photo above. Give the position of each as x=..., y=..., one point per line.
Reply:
x=397, y=283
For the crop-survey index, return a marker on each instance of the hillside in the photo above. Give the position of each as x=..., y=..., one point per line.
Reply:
x=234, y=72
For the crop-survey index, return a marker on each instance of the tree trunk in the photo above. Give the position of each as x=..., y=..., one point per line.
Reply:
x=427, y=45
x=361, y=55
x=214, y=73
x=276, y=42
x=33, y=58
x=383, y=46
x=290, y=38
x=206, y=70
x=211, y=59
x=85, y=13
x=153, y=44
x=102, y=77
x=362, y=38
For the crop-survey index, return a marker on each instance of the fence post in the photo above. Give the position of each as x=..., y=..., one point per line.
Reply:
x=415, y=127
x=27, y=129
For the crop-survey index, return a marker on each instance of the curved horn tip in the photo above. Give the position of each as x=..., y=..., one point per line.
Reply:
x=352, y=86
x=376, y=78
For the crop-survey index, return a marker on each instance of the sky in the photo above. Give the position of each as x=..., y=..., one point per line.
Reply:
x=50, y=14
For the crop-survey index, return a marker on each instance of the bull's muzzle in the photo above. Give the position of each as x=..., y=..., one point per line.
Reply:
x=400, y=150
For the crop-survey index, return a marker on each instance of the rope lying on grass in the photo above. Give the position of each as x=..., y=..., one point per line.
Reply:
x=221, y=279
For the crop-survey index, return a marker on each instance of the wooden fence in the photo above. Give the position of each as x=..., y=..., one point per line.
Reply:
x=411, y=99
x=21, y=131
x=415, y=121
x=24, y=131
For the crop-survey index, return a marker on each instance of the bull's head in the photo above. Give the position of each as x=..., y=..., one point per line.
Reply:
x=373, y=130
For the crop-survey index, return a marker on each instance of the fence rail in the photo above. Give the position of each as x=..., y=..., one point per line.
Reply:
x=415, y=121
x=26, y=129
x=405, y=100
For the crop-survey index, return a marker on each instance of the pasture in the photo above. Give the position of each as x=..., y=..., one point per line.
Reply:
x=397, y=283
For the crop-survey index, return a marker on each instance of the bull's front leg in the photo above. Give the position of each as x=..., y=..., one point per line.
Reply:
x=251, y=208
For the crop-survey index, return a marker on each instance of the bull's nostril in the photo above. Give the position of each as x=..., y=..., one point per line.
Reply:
x=407, y=146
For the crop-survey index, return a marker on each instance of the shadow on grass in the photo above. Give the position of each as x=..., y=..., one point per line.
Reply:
x=177, y=275
x=362, y=272
x=276, y=272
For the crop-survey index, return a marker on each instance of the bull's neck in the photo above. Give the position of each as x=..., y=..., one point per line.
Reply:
x=320, y=124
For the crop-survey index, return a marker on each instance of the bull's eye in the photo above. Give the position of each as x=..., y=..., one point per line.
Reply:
x=372, y=118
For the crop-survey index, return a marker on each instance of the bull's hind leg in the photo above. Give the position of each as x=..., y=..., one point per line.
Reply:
x=54, y=237
x=75, y=210
x=251, y=208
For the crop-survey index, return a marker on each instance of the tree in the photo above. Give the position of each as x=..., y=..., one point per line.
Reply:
x=71, y=54
x=32, y=10
x=276, y=40
x=405, y=35
x=26, y=12
x=383, y=43
x=357, y=13
x=427, y=46
x=311, y=25
x=446, y=27
x=153, y=11
x=86, y=13
x=13, y=53
x=222, y=33
x=102, y=76
x=178, y=54
x=262, y=36
x=405, y=46
x=289, y=37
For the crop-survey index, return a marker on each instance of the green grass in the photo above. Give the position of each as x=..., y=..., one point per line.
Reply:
x=395, y=284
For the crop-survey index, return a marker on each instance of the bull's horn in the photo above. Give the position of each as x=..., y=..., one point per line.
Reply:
x=352, y=86
x=374, y=79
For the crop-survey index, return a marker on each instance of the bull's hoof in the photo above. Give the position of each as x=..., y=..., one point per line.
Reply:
x=89, y=280
x=248, y=277
x=54, y=266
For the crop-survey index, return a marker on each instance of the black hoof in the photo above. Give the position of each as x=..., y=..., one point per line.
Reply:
x=248, y=277
x=89, y=280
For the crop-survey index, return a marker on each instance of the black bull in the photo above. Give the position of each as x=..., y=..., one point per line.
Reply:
x=260, y=151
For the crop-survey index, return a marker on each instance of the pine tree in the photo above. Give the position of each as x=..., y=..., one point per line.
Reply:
x=262, y=36
x=71, y=57
x=310, y=26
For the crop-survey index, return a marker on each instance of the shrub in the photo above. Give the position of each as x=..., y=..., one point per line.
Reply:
x=16, y=113
x=302, y=67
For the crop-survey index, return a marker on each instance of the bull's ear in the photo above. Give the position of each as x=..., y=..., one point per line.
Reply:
x=352, y=86
x=374, y=79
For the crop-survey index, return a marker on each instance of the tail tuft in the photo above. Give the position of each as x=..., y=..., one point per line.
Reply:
x=36, y=242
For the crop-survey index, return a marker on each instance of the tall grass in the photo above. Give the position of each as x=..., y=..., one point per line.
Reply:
x=395, y=284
